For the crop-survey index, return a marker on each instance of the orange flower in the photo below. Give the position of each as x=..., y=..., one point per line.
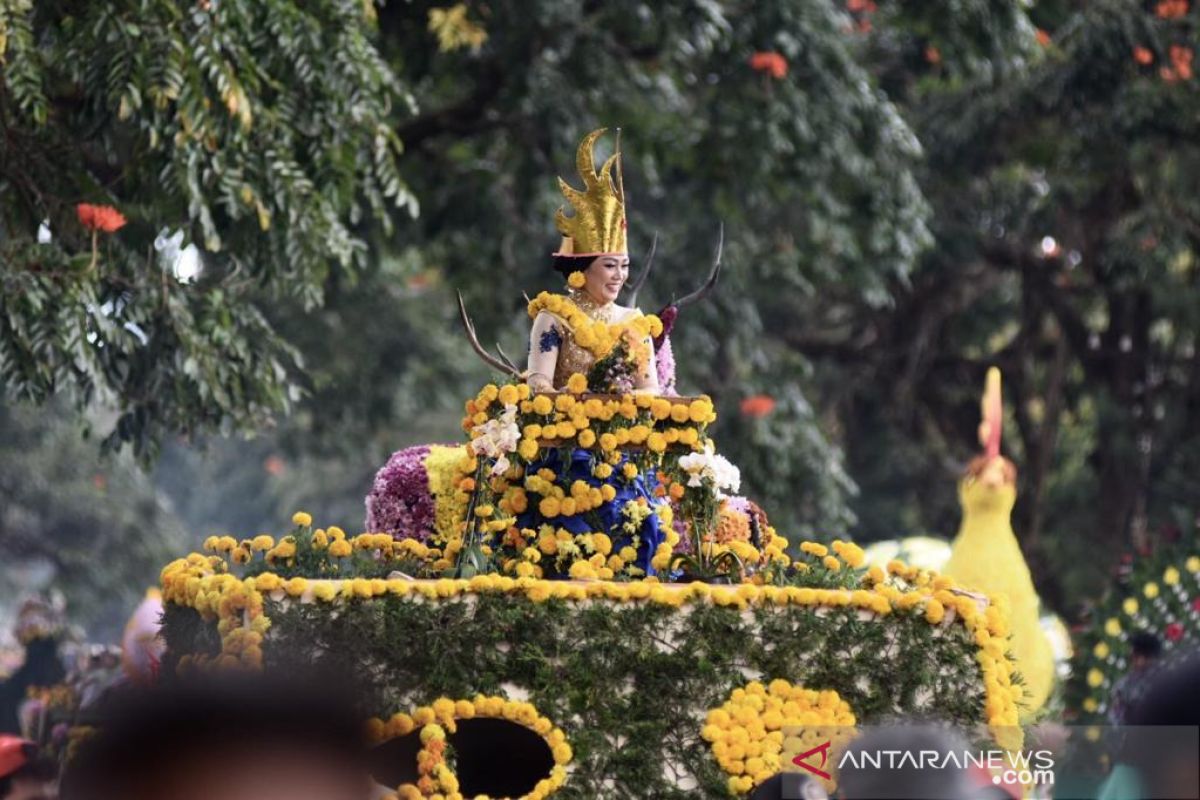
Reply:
x=1181, y=65
x=1143, y=55
x=1171, y=9
x=1043, y=38
x=99, y=218
x=933, y=55
x=758, y=405
x=771, y=63
x=1181, y=58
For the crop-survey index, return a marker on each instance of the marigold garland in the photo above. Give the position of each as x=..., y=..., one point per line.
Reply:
x=442, y=715
x=204, y=583
x=748, y=732
x=598, y=338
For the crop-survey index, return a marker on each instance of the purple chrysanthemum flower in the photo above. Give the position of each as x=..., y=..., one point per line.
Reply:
x=400, y=502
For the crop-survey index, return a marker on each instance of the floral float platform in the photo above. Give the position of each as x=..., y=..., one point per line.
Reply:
x=573, y=604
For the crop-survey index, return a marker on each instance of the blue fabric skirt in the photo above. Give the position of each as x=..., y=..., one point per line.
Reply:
x=606, y=518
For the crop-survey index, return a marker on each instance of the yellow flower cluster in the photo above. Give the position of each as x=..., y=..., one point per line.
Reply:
x=753, y=730
x=436, y=779
x=237, y=605
x=597, y=337
x=442, y=468
x=202, y=582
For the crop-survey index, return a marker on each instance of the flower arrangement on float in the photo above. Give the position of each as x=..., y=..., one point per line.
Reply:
x=250, y=603
x=1158, y=594
x=624, y=437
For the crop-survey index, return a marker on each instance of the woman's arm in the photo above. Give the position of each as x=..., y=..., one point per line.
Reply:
x=545, y=340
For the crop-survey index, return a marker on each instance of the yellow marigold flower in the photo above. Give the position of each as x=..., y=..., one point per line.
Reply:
x=602, y=543
x=211, y=544
x=576, y=280
x=320, y=540
x=226, y=544
x=814, y=548
x=1112, y=627
x=656, y=442
x=1130, y=606
x=1192, y=564
x=262, y=542
x=339, y=548
x=508, y=395
x=577, y=383
x=302, y=519
x=542, y=405
x=629, y=470
x=241, y=555
x=295, y=586
x=587, y=438
x=1095, y=677
x=324, y=591
x=431, y=732
x=582, y=571
x=680, y=412
x=875, y=575
x=608, y=442
x=337, y=533
x=699, y=410
x=1101, y=650
x=934, y=612
x=549, y=507
x=1090, y=705
x=1171, y=576
x=1150, y=590
x=484, y=510
x=831, y=563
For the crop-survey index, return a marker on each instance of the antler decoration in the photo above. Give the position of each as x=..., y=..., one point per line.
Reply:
x=503, y=363
x=993, y=414
x=713, y=274
x=645, y=273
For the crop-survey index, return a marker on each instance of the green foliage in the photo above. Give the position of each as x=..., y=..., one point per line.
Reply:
x=1095, y=327
x=261, y=132
x=626, y=682
x=93, y=528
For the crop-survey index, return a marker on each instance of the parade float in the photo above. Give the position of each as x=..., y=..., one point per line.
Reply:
x=576, y=602
x=1157, y=599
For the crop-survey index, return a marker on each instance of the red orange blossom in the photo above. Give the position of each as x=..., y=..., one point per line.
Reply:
x=771, y=63
x=100, y=218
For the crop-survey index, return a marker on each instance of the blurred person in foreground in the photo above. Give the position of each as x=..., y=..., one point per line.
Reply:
x=223, y=738
x=1146, y=649
x=1162, y=764
x=23, y=776
x=859, y=779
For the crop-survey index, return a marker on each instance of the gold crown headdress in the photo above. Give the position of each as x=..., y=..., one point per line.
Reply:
x=598, y=225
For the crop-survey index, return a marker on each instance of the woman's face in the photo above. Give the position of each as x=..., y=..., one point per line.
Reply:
x=605, y=277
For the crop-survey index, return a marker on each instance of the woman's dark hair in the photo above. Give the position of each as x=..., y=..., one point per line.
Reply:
x=565, y=265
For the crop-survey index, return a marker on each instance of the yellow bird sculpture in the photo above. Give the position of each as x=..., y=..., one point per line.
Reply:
x=986, y=556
